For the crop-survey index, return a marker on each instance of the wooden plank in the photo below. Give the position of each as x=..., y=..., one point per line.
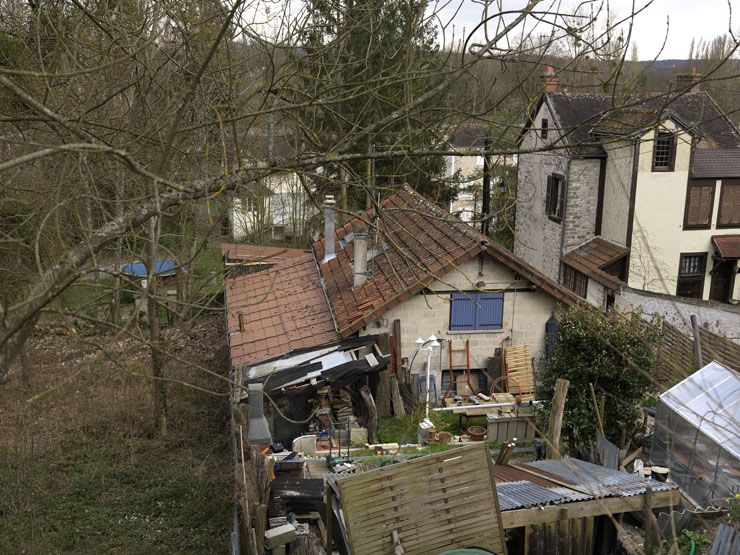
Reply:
x=596, y=507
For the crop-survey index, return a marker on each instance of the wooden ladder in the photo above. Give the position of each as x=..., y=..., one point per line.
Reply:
x=451, y=387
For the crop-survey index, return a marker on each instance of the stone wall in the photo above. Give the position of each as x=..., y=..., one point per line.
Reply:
x=582, y=200
x=537, y=237
x=720, y=318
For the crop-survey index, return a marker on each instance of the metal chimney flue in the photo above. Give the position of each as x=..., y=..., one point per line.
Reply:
x=259, y=430
x=329, y=231
x=360, y=255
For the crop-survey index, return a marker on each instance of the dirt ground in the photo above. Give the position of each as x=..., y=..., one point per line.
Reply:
x=81, y=467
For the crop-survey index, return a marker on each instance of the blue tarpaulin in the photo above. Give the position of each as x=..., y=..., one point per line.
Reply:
x=161, y=267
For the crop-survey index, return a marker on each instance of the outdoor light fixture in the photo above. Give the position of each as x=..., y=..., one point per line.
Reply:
x=433, y=344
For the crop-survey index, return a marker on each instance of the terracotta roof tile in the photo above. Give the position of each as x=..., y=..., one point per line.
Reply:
x=258, y=253
x=282, y=309
x=592, y=257
x=422, y=242
x=728, y=246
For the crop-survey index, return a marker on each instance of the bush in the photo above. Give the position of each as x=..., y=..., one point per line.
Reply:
x=616, y=352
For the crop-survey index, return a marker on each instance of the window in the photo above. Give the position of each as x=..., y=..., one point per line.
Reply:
x=248, y=204
x=664, y=151
x=554, y=197
x=575, y=280
x=476, y=311
x=729, y=204
x=691, y=269
x=699, y=204
x=544, y=128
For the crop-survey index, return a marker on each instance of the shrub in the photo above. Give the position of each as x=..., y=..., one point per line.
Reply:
x=616, y=352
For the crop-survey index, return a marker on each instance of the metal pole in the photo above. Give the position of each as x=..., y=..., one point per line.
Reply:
x=697, y=342
x=429, y=367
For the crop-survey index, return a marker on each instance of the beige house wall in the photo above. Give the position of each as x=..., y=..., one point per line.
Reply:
x=617, y=182
x=524, y=317
x=658, y=237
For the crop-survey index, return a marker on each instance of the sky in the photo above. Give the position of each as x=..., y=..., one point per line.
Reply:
x=680, y=20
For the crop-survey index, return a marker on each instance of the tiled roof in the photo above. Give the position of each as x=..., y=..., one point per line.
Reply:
x=716, y=164
x=258, y=253
x=422, y=242
x=579, y=115
x=282, y=309
x=727, y=245
x=592, y=257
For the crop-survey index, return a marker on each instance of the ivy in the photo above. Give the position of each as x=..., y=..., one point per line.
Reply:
x=616, y=352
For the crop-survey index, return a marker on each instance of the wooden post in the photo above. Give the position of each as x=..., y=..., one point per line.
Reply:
x=372, y=414
x=383, y=393
x=329, y=518
x=697, y=342
x=504, y=454
x=555, y=424
x=648, y=517
x=596, y=408
x=397, y=342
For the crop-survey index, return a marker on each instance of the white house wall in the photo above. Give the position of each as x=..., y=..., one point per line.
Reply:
x=524, y=317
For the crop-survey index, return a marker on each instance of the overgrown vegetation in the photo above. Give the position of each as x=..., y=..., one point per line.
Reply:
x=614, y=351
x=81, y=467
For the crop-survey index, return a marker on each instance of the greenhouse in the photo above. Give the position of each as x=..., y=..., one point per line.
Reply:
x=697, y=435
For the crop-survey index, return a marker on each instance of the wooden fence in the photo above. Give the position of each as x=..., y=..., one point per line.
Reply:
x=676, y=354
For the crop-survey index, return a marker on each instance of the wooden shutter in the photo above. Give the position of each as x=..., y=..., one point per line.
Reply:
x=549, y=206
x=462, y=311
x=729, y=204
x=490, y=311
x=700, y=198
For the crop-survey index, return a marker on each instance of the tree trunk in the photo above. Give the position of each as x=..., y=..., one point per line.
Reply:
x=155, y=339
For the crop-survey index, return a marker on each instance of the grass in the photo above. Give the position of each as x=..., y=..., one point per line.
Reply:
x=404, y=430
x=81, y=468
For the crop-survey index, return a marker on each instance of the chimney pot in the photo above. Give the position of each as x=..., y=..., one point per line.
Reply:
x=360, y=256
x=329, y=231
x=550, y=80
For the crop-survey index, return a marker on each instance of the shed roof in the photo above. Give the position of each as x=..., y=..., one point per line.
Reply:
x=709, y=399
x=593, y=256
x=281, y=309
x=716, y=163
x=421, y=242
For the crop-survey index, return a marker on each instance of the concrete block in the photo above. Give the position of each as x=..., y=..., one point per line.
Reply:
x=279, y=536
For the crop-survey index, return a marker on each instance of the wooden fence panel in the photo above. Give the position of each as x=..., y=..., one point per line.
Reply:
x=433, y=503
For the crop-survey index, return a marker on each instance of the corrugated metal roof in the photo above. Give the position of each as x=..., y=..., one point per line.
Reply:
x=597, y=480
x=517, y=495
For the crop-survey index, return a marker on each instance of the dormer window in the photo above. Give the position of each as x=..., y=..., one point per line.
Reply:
x=544, y=127
x=664, y=151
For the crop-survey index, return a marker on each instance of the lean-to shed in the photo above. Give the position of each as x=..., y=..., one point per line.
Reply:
x=697, y=434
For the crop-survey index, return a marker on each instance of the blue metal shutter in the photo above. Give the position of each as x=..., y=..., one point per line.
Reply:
x=462, y=311
x=490, y=311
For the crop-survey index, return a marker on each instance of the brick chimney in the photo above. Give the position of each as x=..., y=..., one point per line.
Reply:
x=689, y=81
x=550, y=80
